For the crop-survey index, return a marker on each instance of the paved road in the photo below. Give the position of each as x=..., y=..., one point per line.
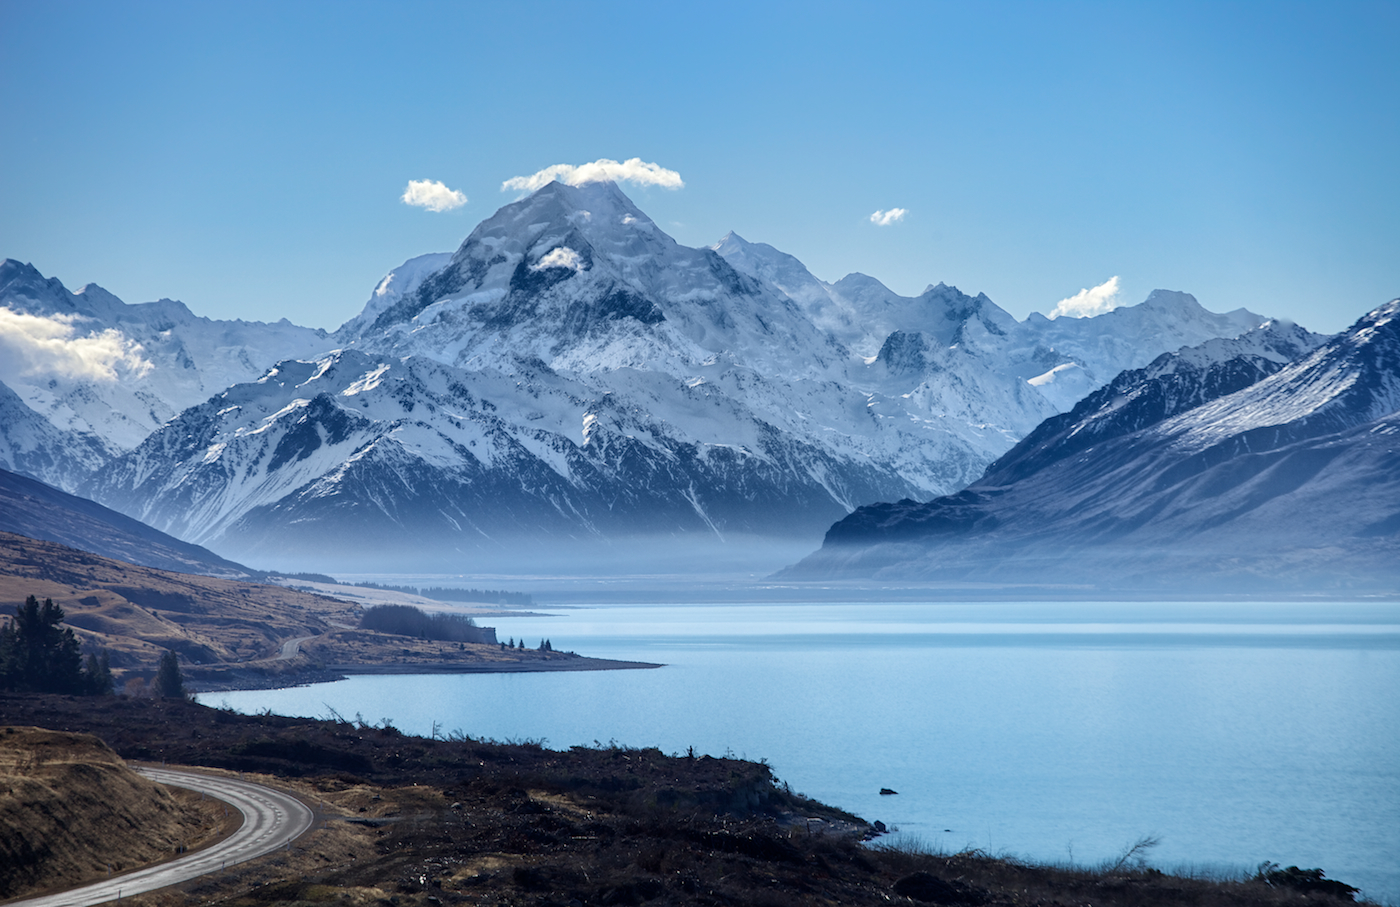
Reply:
x=270, y=819
x=291, y=646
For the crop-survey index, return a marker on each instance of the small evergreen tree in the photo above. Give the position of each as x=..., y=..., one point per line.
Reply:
x=169, y=682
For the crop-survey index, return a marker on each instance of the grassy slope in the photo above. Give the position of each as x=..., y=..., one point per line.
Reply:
x=229, y=633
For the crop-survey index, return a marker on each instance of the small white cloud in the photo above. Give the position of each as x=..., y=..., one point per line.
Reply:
x=562, y=257
x=432, y=195
x=885, y=218
x=37, y=345
x=1088, y=303
x=634, y=171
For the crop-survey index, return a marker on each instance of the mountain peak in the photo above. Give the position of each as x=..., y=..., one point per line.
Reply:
x=1172, y=298
x=731, y=241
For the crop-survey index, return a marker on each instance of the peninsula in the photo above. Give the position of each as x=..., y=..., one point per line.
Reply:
x=234, y=633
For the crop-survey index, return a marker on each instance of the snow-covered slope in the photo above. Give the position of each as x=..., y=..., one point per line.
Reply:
x=89, y=363
x=375, y=457
x=572, y=373
x=1197, y=472
x=1063, y=359
x=32, y=446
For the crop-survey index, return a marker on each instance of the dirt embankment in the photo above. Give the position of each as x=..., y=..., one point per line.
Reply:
x=71, y=811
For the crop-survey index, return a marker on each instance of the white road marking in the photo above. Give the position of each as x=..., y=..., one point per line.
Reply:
x=271, y=819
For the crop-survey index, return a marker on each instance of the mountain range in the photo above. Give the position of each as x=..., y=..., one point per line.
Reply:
x=1249, y=464
x=571, y=382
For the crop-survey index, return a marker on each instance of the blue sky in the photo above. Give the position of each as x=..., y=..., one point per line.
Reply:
x=249, y=158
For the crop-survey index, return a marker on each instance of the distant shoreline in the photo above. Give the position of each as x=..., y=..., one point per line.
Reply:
x=232, y=678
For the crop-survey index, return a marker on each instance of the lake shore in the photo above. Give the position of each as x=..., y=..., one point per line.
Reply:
x=431, y=821
x=305, y=668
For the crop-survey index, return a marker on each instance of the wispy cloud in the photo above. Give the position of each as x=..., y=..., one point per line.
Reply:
x=634, y=170
x=885, y=218
x=1088, y=303
x=37, y=345
x=432, y=195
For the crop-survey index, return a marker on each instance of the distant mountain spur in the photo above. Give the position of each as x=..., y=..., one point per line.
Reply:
x=1218, y=468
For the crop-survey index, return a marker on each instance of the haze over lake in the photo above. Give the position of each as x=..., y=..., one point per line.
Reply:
x=1234, y=732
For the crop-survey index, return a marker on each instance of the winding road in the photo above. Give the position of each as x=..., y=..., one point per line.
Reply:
x=271, y=819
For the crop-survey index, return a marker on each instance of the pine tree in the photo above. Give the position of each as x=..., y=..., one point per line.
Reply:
x=36, y=654
x=97, y=675
x=169, y=682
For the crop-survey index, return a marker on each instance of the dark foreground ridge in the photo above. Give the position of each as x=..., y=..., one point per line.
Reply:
x=418, y=822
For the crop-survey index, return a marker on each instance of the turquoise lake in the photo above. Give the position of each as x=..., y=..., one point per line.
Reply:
x=1235, y=733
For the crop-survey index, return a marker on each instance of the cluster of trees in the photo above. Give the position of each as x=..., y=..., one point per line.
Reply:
x=406, y=620
x=39, y=655
x=444, y=594
x=545, y=645
x=489, y=596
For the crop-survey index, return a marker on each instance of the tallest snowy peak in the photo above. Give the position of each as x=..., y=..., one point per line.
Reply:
x=601, y=203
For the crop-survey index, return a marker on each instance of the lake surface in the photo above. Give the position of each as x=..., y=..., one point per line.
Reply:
x=1235, y=733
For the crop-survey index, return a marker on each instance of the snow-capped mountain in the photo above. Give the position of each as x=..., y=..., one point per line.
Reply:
x=573, y=373
x=1199, y=471
x=31, y=445
x=413, y=458
x=1063, y=358
x=116, y=371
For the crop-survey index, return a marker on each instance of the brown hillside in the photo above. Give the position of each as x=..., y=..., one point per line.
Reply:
x=137, y=612
x=230, y=634
x=70, y=808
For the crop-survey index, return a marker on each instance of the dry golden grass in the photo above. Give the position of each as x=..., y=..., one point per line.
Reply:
x=229, y=633
x=137, y=612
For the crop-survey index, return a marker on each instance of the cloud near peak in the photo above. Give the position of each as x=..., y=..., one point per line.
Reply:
x=38, y=345
x=634, y=170
x=1089, y=302
x=432, y=195
x=885, y=218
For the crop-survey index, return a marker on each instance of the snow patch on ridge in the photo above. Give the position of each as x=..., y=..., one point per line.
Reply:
x=561, y=257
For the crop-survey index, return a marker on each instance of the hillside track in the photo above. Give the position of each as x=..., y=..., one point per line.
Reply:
x=271, y=820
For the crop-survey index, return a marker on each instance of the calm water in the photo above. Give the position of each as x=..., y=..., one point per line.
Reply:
x=1235, y=733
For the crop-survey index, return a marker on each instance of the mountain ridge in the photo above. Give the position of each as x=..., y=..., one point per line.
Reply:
x=572, y=373
x=1273, y=475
